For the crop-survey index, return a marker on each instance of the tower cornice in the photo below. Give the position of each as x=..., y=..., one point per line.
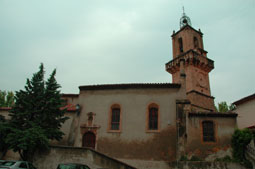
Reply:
x=191, y=57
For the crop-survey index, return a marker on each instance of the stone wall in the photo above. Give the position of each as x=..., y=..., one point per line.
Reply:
x=141, y=164
x=205, y=165
x=95, y=160
x=201, y=102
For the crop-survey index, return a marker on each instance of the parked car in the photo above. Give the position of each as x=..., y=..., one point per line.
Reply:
x=16, y=165
x=1, y=161
x=72, y=166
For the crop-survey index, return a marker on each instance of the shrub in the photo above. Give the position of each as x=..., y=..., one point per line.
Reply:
x=195, y=158
x=184, y=158
x=240, y=139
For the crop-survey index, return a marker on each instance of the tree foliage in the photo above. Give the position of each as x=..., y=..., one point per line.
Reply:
x=6, y=99
x=36, y=117
x=224, y=107
x=240, y=139
x=4, y=130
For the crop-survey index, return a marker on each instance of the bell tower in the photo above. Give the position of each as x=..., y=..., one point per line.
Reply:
x=188, y=45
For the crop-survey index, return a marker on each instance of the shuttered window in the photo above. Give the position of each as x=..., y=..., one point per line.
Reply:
x=153, y=118
x=208, y=131
x=115, y=119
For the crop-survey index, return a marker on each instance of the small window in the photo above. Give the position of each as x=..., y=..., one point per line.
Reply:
x=153, y=117
x=115, y=117
x=180, y=45
x=195, y=42
x=208, y=131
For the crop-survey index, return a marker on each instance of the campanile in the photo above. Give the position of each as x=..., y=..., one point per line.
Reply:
x=187, y=44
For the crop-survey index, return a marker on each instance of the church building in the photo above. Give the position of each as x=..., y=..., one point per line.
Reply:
x=153, y=122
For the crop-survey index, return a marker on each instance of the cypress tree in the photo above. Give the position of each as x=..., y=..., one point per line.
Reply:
x=36, y=117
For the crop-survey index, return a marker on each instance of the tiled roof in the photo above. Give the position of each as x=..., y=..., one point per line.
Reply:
x=130, y=86
x=251, y=127
x=244, y=100
x=69, y=95
x=69, y=107
x=212, y=114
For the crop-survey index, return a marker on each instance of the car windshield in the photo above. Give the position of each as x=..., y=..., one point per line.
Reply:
x=8, y=163
x=66, y=166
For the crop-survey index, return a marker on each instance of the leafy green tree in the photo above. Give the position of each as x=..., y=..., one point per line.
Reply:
x=6, y=99
x=4, y=130
x=239, y=141
x=36, y=117
x=224, y=107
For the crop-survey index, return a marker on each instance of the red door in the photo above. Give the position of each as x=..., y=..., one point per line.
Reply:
x=89, y=140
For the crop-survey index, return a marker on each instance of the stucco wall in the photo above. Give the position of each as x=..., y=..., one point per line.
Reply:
x=133, y=141
x=71, y=99
x=68, y=129
x=246, y=114
x=224, y=128
x=4, y=113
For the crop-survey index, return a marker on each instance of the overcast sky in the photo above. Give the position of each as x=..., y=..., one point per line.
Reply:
x=116, y=41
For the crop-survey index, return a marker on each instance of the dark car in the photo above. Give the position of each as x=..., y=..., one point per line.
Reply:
x=72, y=166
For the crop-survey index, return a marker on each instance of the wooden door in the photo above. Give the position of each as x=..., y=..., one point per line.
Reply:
x=89, y=140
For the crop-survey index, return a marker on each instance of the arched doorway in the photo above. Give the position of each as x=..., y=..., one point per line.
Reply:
x=89, y=140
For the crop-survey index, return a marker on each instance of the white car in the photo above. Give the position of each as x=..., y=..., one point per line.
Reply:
x=16, y=165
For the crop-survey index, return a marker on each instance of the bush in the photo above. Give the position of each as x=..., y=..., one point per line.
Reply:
x=184, y=158
x=225, y=159
x=240, y=139
x=195, y=158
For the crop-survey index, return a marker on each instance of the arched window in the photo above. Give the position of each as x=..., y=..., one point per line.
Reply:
x=195, y=41
x=208, y=131
x=180, y=45
x=153, y=117
x=115, y=116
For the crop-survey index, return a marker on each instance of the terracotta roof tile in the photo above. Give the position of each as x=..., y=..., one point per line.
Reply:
x=69, y=107
x=130, y=86
x=69, y=95
x=212, y=114
x=251, y=127
x=5, y=108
